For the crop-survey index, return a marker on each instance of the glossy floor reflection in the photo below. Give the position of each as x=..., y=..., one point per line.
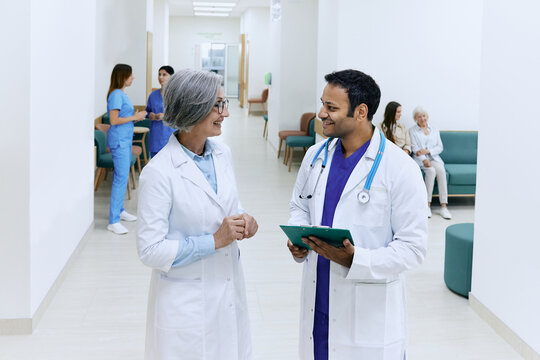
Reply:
x=99, y=311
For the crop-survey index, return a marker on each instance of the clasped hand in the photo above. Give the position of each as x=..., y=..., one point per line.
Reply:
x=140, y=115
x=153, y=116
x=341, y=255
x=235, y=227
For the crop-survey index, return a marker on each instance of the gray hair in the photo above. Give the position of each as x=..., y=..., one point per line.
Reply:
x=419, y=110
x=189, y=97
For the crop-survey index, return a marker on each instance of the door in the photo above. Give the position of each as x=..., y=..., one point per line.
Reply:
x=232, y=71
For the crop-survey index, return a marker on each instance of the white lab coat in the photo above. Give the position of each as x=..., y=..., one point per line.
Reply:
x=197, y=311
x=367, y=306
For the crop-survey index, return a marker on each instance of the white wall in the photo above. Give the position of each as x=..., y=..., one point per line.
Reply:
x=15, y=173
x=255, y=24
x=274, y=90
x=185, y=32
x=160, y=48
x=47, y=190
x=506, y=241
x=293, y=53
x=420, y=52
x=61, y=141
x=120, y=38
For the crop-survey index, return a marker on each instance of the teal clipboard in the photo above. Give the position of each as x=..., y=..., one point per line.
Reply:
x=332, y=236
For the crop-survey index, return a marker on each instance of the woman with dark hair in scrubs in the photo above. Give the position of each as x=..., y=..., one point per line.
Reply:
x=119, y=140
x=159, y=132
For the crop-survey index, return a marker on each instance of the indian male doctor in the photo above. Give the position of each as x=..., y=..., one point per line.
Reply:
x=353, y=303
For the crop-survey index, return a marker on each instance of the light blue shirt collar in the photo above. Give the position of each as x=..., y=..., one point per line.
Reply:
x=208, y=149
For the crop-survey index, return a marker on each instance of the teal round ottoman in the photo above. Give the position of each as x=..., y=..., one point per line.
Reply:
x=458, y=256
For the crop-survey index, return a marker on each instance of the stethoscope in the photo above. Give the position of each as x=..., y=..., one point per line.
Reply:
x=363, y=196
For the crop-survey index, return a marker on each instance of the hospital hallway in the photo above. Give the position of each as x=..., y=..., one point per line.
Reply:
x=99, y=310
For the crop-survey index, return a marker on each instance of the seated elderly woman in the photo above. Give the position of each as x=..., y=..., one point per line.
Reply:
x=426, y=147
x=190, y=219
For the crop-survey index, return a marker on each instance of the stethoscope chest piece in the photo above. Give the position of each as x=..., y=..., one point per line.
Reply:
x=363, y=197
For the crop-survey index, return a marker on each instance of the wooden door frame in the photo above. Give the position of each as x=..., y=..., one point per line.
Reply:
x=149, y=44
x=243, y=71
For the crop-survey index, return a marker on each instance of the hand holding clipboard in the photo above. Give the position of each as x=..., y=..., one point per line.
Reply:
x=334, y=244
x=331, y=236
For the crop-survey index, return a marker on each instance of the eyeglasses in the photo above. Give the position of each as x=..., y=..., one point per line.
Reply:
x=221, y=105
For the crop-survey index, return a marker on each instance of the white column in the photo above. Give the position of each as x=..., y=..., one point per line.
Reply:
x=61, y=136
x=506, y=239
x=15, y=150
x=293, y=63
x=47, y=188
x=161, y=39
x=120, y=38
x=256, y=22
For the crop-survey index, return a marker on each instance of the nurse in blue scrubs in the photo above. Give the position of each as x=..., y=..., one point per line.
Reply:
x=119, y=140
x=159, y=132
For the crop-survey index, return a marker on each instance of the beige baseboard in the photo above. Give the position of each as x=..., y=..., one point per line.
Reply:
x=527, y=352
x=15, y=326
x=257, y=112
x=27, y=326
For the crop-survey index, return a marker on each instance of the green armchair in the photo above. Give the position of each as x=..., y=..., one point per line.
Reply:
x=460, y=157
x=299, y=141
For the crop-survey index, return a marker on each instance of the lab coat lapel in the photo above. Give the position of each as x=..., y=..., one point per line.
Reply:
x=361, y=171
x=319, y=193
x=223, y=182
x=189, y=170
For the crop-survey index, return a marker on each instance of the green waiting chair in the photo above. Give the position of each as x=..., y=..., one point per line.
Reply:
x=104, y=161
x=299, y=141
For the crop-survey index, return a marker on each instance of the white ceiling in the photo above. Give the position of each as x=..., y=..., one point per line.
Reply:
x=185, y=7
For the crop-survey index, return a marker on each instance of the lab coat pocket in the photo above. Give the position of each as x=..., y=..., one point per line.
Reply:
x=185, y=344
x=378, y=313
x=372, y=213
x=179, y=303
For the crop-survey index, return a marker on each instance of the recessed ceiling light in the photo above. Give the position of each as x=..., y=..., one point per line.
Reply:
x=197, y=8
x=214, y=4
x=210, y=14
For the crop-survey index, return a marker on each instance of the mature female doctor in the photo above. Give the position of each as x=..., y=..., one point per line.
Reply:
x=353, y=297
x=189, y=220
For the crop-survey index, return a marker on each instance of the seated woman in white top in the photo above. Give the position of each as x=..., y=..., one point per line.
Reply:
x=426, y=147
x=393, y=130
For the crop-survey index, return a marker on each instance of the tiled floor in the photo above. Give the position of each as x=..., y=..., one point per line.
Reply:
x=99, y=311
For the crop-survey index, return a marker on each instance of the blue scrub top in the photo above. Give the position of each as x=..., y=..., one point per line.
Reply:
x=340, y=171
x=123, y=133
x=159, y=132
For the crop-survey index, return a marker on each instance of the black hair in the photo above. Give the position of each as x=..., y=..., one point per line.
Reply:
x=389, y=121
x=360, y=87
x=168, y=69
